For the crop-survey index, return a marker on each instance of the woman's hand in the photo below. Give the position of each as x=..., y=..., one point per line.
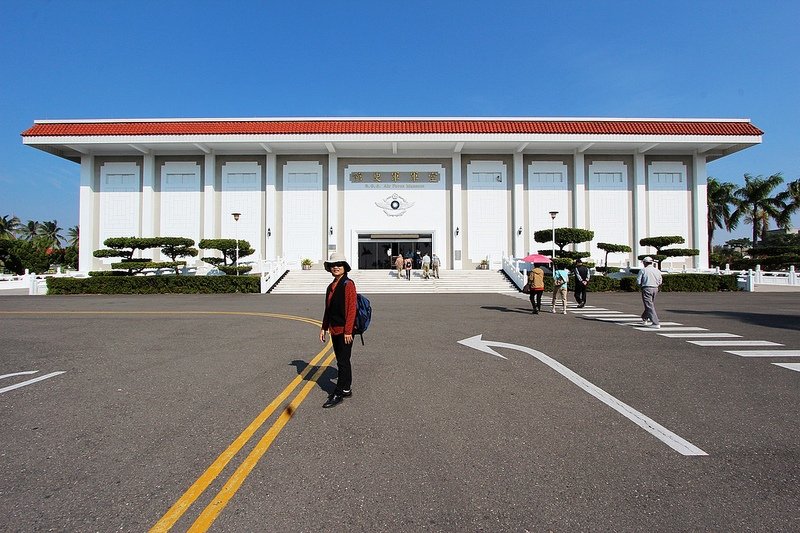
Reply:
x=348, y=339
x=322, y=335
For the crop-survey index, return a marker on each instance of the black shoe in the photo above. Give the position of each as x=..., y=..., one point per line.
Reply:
x=535, y=312
x=333, y=399
x=580, y=305
x=346, y=393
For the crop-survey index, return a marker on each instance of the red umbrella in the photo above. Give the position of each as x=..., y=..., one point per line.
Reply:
x=536, y=258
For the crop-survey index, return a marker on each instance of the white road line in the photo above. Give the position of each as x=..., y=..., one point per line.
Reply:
x=765, y=353
x=735, y=343
x=598, y=311
x=638, y=322
x=790, y=366
x=697, y=335
x=614, y=318
x=670, y=329
x=30, y=381
x=24, y=373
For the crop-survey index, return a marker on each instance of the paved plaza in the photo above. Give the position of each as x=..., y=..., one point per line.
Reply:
x=468, y=413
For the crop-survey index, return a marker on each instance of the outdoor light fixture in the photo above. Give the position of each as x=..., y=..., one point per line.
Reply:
x=519, y=231
x=330, y=230
x=456, y=231
x=236, y=227
x=553, y=218
x=269, y=232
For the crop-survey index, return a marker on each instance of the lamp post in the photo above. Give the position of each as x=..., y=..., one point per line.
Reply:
x=553, y=218
x=236, y=233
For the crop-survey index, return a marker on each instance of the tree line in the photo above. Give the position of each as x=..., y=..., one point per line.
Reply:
x=36, y=246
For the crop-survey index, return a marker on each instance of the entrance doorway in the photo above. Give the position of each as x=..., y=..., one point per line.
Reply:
x=379, y=251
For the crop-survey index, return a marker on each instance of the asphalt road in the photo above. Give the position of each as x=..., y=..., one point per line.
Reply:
x=145, y=426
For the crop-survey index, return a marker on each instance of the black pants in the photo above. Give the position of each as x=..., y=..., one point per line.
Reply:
x=536, y=300
x=580, y=293
x=342, y=352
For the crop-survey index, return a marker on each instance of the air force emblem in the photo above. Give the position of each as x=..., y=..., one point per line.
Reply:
x=394, y=205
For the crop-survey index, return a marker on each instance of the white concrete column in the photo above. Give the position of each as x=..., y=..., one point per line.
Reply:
x=149, y=197
x=456, y=222
x=579, y=198
x=332, y=220
x=639, y=204
x=88, y=234
x=209, y=199
x=700, y=211
x=271, y=208
x=518, y=206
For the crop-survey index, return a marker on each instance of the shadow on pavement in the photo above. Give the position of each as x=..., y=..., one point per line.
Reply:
x=755, y=319
x=502, y=309
x=326, y=380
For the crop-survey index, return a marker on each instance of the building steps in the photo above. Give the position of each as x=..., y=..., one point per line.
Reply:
x=386, y=282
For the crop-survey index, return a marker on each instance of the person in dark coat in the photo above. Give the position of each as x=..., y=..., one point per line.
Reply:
x=581, y=281
x=340, y=319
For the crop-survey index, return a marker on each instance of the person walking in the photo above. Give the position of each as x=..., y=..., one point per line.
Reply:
x=339, y=319
x=407, y=263
x=435, y=264
x=398, y=264
x=426, y=266
x=581, y=281
x=536, y=282
x=649, y=279
x=560, y=280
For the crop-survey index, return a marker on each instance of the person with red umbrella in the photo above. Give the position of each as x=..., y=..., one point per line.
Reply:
x=536, y=280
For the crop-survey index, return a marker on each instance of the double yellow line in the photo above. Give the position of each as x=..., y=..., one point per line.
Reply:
x=218, y=503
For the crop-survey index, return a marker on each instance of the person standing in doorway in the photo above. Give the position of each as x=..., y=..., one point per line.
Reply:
x=536, y=281
x=581, y=281
x=398, y=264
x=435, y=264
x=339, y=319
x=560, y=280
x=649, y=279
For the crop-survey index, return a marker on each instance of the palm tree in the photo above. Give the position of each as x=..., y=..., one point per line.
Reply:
x=720, y=199
x=754, y=203
x=50, y=234
x=73, y=236
x=28, y=232
x=8, y=227
x=791, y=201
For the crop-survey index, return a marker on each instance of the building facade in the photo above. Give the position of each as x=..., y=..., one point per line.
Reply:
x=467, y=189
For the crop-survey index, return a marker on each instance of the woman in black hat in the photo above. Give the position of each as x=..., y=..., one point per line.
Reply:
x=339, y=319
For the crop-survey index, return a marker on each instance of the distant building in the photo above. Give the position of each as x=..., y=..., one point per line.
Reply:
x=466, y=189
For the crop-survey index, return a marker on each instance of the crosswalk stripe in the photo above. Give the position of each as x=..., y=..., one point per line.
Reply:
x=667, y=330
x=765, y=353
x=697, y=335
x=735, y=343
x=790, y=366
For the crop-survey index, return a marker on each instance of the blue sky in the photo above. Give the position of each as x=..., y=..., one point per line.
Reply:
x=119, y=59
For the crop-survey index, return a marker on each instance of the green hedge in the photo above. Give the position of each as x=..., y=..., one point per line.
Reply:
x=672, y=283
x=154, y=285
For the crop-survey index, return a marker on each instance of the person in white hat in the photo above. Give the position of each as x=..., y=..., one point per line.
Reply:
x=649, y=280
x=340, y=319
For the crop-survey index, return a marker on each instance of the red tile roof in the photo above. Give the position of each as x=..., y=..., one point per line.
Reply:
x=399, y=126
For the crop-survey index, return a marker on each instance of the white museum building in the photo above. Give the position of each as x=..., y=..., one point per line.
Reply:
x=467, y=189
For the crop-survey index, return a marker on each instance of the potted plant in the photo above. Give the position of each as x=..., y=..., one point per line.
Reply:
x=484, y=264
x=306, y=264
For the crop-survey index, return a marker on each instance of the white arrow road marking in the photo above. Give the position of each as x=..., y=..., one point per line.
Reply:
x=24, y=373
x=30, y=381
x=666, y=436
x=790, y=366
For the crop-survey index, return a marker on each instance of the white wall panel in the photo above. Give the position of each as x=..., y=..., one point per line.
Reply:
x=241, y=193
x=609, y=212
x=303, y=211
x=668, y=200
x=487, y=210
x=548, y=190
x=120, y=194
x=180, y=200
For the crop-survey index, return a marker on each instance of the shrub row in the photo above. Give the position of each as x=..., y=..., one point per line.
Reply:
x=154, y=285
x=672, y=283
